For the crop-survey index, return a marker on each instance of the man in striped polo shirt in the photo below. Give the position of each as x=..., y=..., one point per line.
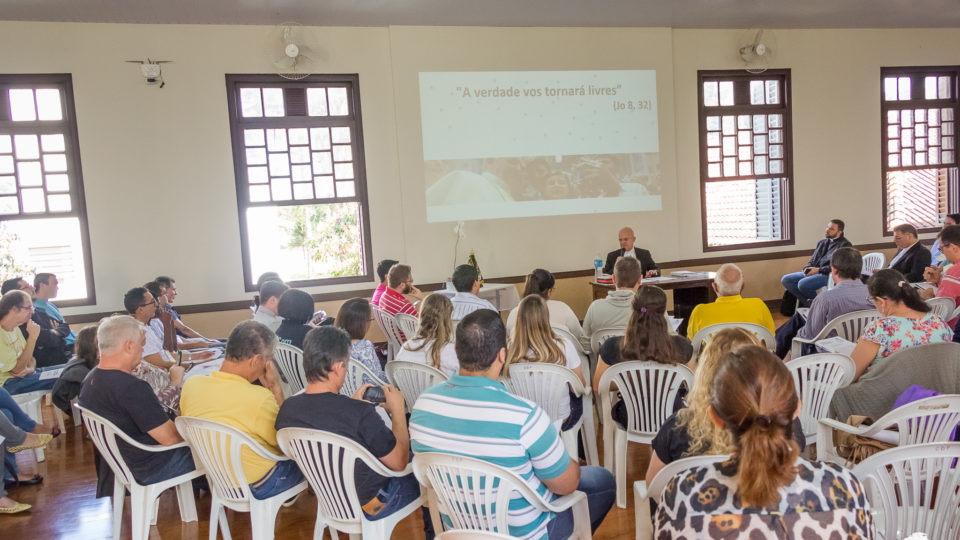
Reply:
x=474, y=415
x=399, y=283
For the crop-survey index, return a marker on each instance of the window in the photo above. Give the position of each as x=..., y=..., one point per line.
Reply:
x=746, y=159
x=918, y=144
x=301, y=182
x=43, y=219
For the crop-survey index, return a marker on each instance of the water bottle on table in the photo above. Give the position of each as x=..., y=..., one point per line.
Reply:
x=597, y=267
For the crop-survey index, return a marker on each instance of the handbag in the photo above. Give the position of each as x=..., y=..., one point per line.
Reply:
x=856, y=448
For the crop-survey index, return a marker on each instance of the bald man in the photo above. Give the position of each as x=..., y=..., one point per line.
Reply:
x=627, y=238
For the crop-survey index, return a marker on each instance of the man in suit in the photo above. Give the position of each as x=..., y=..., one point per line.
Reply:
x=627, y=238
x=816, y=272
x=913, y=257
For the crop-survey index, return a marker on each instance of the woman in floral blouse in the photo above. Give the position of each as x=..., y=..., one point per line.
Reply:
x=765, y=490
x=906, y=322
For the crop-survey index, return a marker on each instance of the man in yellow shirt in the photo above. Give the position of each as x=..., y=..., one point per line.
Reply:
x=729, y=307
x=227, y=396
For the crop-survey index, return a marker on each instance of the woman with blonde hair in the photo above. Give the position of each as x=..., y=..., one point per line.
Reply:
x=765, y=489
x=691, y=431
x=533, y=340
x=433, y=344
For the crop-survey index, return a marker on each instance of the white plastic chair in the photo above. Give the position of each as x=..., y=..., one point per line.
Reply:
x=327, y=461
x=585, y=366
x=923, y=421
x=354, y=378
x=546, y=385
x=648, y=390
x=914, y=489
x=705, y=334
x=407, y=324
x=412, y=378
x=32, y=405
x=463, y=534
x=290, y=361
x=848, y=326
x=475, y=494
x=872, y=261
x=816, y=378
x=642, y=494
x=603, y=334
x=942, y=307
x=143, y=498
x=218, y=447
x=388, y=324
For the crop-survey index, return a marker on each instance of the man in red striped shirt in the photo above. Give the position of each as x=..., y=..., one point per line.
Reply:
x=399, y=283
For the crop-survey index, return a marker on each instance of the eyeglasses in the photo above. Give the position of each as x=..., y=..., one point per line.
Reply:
x=26, y=308
x=150, y=303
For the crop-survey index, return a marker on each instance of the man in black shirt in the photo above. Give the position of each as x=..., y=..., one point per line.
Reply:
x=130, y=404
x=326, y=351
x=815, y=274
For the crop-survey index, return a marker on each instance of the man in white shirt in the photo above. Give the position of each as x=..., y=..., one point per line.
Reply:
x=266, y=312
x=614, y=310
x=466, y=301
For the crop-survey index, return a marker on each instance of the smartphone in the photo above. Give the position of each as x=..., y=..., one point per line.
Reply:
x=374, y=395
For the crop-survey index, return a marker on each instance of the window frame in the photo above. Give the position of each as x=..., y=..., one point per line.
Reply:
x=885, y=106
x=786, y=109
x=68, y=126
x=234, y=82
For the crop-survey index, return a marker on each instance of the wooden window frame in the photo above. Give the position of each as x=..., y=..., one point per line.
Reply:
x=913, y=103
x=786, y=109
x=67, y=126
x=354, y=120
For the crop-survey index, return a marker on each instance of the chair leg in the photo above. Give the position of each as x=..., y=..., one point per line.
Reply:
x=320, y=526
x=569, y=438
x=608, y=444
x=154, y=506
x=588, y=432
x=263, y=516
x=216, y=514
x=188, y=506
x=620, y=455
x=142, y=507
x=119, y=494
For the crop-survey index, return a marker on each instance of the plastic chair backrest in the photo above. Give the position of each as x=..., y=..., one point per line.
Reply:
x=327, y=461
x=104, y=435
x=388, y=323
x=463, y=534
x=648, y=390
x=926, y=420
x=915, y=489
x=942, y=307
x=472, y=493
x=816, y=378
x=603, y=334
x=660, y=480
x=544, y=384
x=412, y=378
x=354, y=378
x=563, y=333
x=407, y=324
x=705, y=334
x=290, y=361
x=851, y=325
x=872, y=261
x=218, y=447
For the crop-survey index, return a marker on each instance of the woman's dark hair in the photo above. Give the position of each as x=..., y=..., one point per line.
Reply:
x=754, y=396
x=296, y=306
x=86, y=346
x=354, y=317
x=892, y=285
x=648, y=336
x=12, y=299
x=539, y=282
x=955, y=218
x=268, y=290
x=264, y=277
x=154, y=288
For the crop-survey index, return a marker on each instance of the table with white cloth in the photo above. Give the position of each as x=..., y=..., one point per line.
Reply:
x=503, y=296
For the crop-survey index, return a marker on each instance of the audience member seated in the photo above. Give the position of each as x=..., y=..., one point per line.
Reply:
x=169, y=295
x=55, y=344
x=465, y=416
x=533, y=340
x=162, y=321
x=157, y=368
x=913, y=257
x=71, y=379
x=19, y=373
x=541, y=282
x=729, y=306
x=13, y=439
x=466, y=282
x=765, y=488
x=691, y=430
x=937, y=258
x=947, y=281
x=354, y=318
x=229, y=397
x=51, y=348
x=433, y=344
x=647, y=338
x=382, y=269
x=614, y=310
x=112, y=392
x=265, y=304
x=295, y=307
x=814, y=275
x=325, y=354
x=848, y=295
x=399, y=283
x=906, y=322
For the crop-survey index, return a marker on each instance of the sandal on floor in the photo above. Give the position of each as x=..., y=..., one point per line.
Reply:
x=15, y=509
x=43, y=439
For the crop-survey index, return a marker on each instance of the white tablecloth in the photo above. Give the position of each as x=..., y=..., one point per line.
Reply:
x=503, y=296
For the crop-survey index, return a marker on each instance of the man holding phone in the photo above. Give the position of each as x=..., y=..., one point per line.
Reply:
x=326, y=351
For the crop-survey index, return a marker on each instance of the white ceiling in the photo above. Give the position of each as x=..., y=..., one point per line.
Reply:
x=641, y=13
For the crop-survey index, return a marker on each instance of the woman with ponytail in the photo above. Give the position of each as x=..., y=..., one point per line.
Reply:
x=433, y=344
x=765, y=490
x=907, y=321
x=541, y=283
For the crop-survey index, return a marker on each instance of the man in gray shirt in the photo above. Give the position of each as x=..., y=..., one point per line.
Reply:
x=848, y=294
x=614, y=310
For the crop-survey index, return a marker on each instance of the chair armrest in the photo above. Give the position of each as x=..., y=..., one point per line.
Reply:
x=563, y=503
x=840, y=426
x=151, y=447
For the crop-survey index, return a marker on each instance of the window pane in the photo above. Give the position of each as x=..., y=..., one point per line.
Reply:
x=53, y=244
x=903, y=88
x=32, y=200
x=711, y=94
x=299, y=136
x=890, y=88
x=773, y=92
x=930, y=87
x=276, y=140
x=8, y=185
x=273, y=102
x=26, y=146
x=756, y=92
x=54, y=162
x=250, y=105
x=22, y=107
x=48, y=104
x=943, y=88
x=742, y=211
x=58, y=203
x=317, y=101
x=726, y=93
x=52, y=143
x=340, y=135
x=257, y=175
x=320, y=138
x=323, y=185
x=915, y=197
x=28, y=173
x=338, y=101
x=253, y=137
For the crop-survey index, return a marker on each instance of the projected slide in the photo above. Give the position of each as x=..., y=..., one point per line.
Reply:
x=539, y=143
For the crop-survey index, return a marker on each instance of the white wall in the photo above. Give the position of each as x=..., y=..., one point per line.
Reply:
x=168, y=150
